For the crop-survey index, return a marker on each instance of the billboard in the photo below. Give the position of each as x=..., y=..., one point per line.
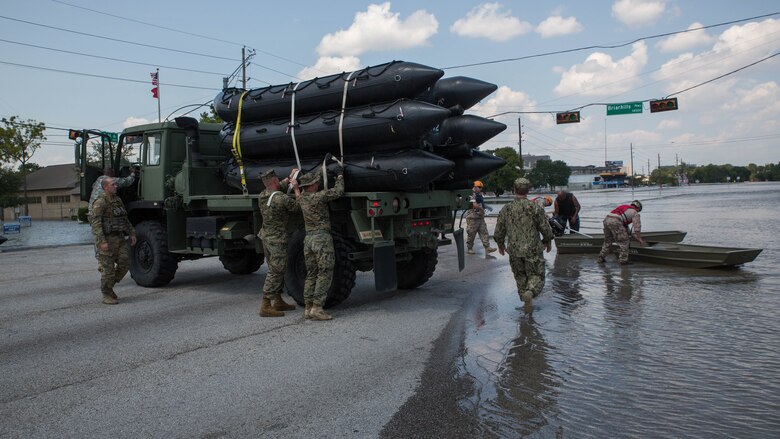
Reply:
x=614, y=164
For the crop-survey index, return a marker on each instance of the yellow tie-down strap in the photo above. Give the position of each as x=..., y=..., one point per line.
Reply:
x=237, y=146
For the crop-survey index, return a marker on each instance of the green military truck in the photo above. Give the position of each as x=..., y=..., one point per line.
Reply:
x=182, y=209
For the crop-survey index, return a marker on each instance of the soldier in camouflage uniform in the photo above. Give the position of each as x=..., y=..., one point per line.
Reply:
x=616, y=230
x=111, y=226
x=275, y=206
x=517, y=232
x=475, y=222
x=318, y=243
x=97, y=186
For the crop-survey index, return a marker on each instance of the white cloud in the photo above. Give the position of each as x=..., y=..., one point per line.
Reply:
x=329, y=65
x=378, y=29
x=489, y=21
x=637, y=137
x=506, y=99
x=754, y=110
x=556, y=26
x=737, y=46
x=638, y=12
x=599, y=71
x=685, y=41
x=669, y=124
x=133, y=121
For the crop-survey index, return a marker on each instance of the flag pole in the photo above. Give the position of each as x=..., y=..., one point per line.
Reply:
x=158, y=96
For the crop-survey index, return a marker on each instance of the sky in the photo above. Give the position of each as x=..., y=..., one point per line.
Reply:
x=734, y=119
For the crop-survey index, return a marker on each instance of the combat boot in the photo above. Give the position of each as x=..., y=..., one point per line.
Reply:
x=307, y=311
x=281, y=305
x=470, y=251
x=317, y=313
x=266, y=310
x=108, y=300
x=490, y=249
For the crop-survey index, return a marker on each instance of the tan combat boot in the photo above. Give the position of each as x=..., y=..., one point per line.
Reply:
x=317, y=313
x=266, y=310
x=528, y=300
x=307, y=311
x=470, y=251
x=281, y=305
x=109, y=299
x=490, y=249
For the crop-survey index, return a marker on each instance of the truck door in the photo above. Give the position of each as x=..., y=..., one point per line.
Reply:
x=152, y=184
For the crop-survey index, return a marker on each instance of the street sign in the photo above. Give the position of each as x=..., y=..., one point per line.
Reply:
x=624, y=108
x=113, y=137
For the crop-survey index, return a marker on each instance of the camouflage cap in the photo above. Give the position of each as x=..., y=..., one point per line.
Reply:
x=310, y=178
x=522, y=183
x=268, y=176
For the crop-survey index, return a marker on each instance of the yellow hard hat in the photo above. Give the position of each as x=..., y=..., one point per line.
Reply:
x=478, y=183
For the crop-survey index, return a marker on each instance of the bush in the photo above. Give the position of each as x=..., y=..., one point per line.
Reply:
x=82, y=214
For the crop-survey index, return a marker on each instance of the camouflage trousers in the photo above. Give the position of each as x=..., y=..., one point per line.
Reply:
x=615, y=232
x=320, y=260
x=113, y=263
x=529, y=273
x=276, y=259
x=474, y=227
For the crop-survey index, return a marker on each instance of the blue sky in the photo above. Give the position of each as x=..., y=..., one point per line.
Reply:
x=733, y=120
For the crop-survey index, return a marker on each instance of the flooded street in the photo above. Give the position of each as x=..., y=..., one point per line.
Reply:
x=46, y=233
x=641, y=350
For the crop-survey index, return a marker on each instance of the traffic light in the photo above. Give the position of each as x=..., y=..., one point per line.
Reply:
x=663, y=105
x=568, y=117
x=74, y=134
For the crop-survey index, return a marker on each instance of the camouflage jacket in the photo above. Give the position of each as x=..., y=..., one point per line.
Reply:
x=518, y=227
x=276, y=210
x=97, y=188
x=476, y=213
x=315, y=206
x=109, y=215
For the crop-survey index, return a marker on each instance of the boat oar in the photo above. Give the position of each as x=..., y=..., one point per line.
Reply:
x=580, y=233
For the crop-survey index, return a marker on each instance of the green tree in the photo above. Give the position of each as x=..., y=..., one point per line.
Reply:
x=550, y=173
x=18, y=142
x=10, y=181
x=210, y=117
x=503, y=179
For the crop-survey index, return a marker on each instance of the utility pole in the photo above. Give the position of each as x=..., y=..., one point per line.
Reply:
x=648, y=170
x=605, y=141
x=520, y=138
x=632, y=163
x=243, y=67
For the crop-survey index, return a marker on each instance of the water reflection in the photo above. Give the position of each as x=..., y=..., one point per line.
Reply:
x=525, y=388
x=565, y=280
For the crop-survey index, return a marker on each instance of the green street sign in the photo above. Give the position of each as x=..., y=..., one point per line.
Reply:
x=114, y=137
x=624, y=108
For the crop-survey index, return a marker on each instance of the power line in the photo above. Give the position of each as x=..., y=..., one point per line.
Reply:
x=104, y=76
x=110, y=58
x=613, y=46
x=178, y=31
x=724, y=75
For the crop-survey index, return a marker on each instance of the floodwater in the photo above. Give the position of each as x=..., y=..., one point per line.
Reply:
x=641, y=350
x=45, y=233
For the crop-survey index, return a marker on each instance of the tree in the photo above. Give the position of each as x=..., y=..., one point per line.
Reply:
x=18, y=142
x=503, y=179
x=210, y=117
x=10, y=181
x=94, y=155
x=548, y=172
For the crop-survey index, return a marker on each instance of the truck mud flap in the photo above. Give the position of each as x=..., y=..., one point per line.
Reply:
x=385, y=278
x=457, y=235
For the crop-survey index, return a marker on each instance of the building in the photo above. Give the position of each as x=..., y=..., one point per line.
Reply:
x=529, y=161
x=52, y=194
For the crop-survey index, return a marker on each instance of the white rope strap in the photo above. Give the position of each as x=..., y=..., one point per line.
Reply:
x=341, y=117
x=272, y=197
x=292, y=127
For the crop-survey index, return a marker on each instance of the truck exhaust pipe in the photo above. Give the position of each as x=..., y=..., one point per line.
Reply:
x=192, y=131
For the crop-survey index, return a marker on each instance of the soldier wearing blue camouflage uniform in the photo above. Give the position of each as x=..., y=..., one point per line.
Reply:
x=275, y=207
x=318, y=243
x=111, y=227
x=517, y=232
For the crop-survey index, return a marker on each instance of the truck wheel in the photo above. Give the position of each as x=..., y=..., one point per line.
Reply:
x=242, y=262
x=343, y=271
x=415, y=272
x=152, y=264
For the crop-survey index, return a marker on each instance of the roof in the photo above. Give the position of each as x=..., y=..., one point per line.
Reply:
x=53, y=177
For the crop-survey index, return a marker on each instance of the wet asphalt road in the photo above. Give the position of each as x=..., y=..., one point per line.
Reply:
x=194, y=360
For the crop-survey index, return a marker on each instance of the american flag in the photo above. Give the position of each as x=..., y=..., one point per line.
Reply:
x=155, y=80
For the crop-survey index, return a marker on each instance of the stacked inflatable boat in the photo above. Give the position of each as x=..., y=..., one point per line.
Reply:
x=395, y=126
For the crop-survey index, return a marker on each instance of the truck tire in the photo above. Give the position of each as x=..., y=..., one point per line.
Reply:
x=152, y=264
x=343, y=271
x=242, y=262
x=415, y=272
